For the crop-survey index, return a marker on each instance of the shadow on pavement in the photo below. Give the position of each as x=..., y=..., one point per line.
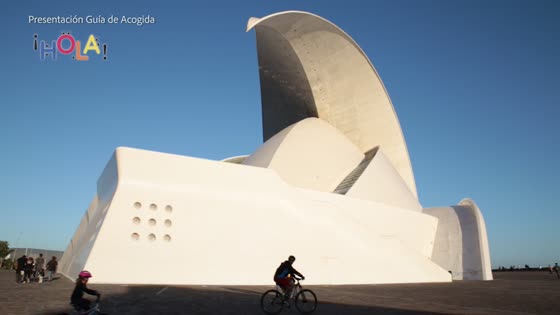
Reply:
x=510, y=293
x=211, y=300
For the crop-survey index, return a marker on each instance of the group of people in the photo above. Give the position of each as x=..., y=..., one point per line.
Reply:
x=29, y=269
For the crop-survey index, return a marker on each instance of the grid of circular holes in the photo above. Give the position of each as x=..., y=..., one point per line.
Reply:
x=152, y=237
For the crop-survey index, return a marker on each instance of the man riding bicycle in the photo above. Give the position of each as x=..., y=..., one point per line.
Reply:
x=284, y=276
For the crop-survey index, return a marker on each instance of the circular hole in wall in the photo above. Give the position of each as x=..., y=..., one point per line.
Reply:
x=167, y=238
x=153, y=206
x=135, y=236
x=168, y=222
x=152, y=237
x=136, y=220
x=137, y=205
x=168, y=208
x=152, y=222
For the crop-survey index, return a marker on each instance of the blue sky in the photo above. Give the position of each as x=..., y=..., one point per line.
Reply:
x=474, y=84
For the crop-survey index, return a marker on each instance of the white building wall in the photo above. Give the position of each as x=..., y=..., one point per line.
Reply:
x=309, y=154
x=209, y=222
x=461, y=242
x=309, y=67
x=233, y=224
x=381, y=182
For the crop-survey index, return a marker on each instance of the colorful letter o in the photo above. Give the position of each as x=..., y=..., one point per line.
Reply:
x=59, y=44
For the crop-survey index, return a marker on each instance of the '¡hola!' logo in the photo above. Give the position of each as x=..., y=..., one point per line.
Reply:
x=66, y=44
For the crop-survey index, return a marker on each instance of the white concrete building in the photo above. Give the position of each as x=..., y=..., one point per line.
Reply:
x=332, y=184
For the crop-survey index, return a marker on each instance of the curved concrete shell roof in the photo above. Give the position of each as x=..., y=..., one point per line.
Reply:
x=311, y=68
x=310, y=154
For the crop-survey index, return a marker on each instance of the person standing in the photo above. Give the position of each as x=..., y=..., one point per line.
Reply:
x=51, y=268
x=39, y=267
x=557, y=270
x=20, y=263
x=28, y=268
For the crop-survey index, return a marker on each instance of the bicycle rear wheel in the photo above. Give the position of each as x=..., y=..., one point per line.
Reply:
x=306, y=301
x=272, y=302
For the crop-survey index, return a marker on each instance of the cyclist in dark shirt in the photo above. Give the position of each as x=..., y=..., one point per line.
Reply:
x=284, y=275
x=77, y=296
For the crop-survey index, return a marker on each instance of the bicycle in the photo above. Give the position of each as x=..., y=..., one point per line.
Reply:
x=93, y=310
x=274, y=301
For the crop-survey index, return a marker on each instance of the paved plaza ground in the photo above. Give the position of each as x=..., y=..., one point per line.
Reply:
x=518, y=292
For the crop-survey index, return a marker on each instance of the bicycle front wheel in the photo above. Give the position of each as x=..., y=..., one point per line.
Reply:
x=306, y=301
x=272, y=302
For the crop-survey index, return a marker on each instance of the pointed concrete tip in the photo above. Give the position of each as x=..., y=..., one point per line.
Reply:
x=252, y=22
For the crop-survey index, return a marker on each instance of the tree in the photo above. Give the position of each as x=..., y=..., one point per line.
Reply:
x=4, y=250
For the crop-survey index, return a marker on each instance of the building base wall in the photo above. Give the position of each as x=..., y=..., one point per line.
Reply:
x=180, y=220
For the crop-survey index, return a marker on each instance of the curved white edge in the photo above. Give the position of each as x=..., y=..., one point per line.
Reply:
x=253, y=22
x=483, y=238
x=235, y=159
